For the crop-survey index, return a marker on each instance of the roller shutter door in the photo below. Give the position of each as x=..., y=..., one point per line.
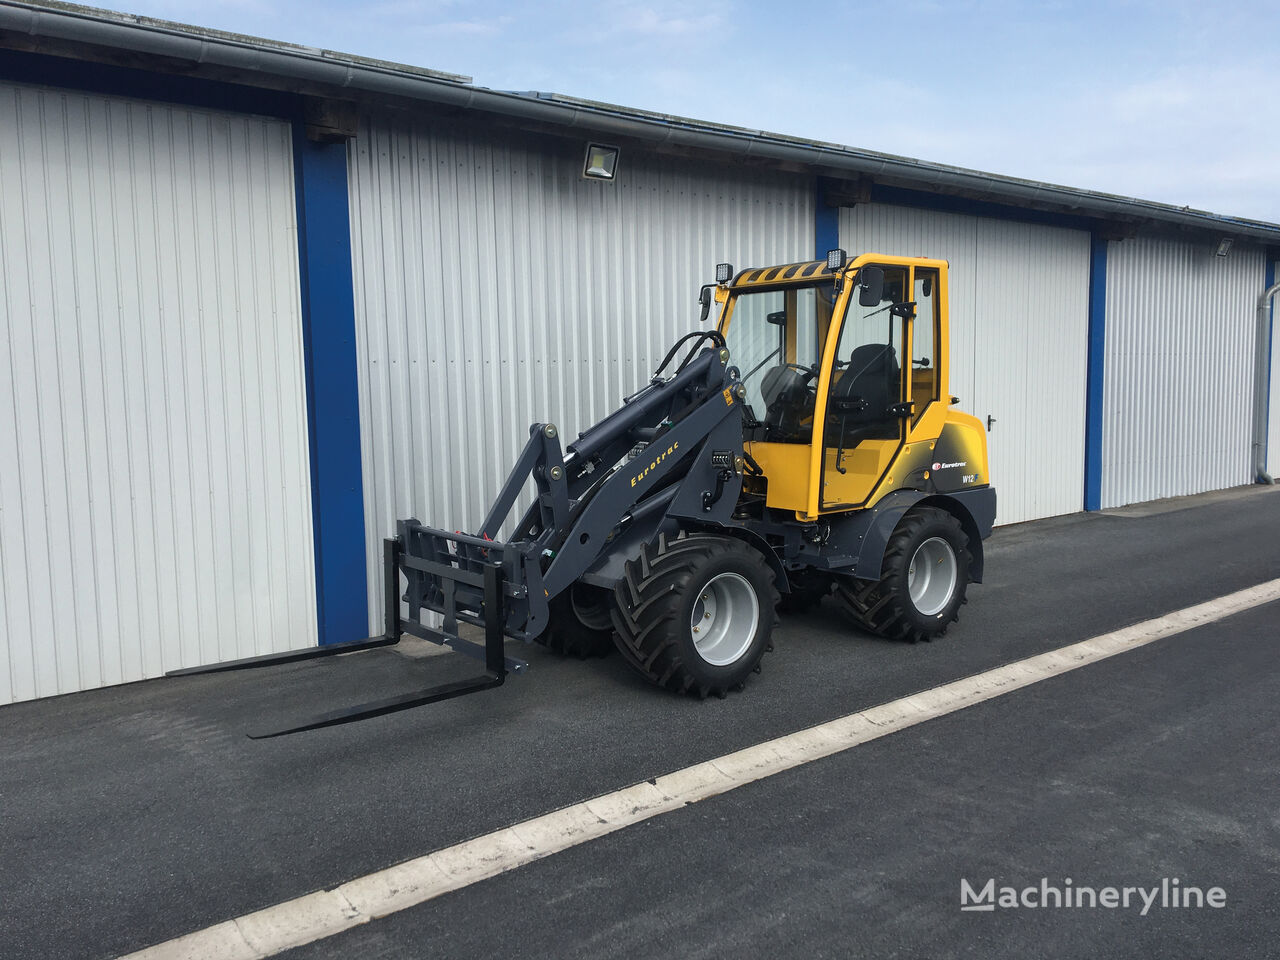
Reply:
x=154, y=470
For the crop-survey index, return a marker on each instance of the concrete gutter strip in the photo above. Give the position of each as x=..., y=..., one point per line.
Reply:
x=69, y=22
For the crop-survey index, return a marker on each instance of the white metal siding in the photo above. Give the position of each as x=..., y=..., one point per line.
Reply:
x=154, y=479
x=1019, y=340
x=495, y=287
x=1181, y=336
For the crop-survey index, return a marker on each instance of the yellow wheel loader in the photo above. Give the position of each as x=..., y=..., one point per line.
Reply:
x=807, y=446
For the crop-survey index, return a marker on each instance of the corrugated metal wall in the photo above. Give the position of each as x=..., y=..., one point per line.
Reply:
x=1019, y=339
x=495, y=287
x=1181, y=340
x=154, y=480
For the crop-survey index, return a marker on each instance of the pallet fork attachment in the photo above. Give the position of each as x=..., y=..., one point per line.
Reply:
x=490, y=583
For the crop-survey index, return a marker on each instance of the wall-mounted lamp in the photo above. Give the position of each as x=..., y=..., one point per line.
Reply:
x=601, y=162
x=1224, y=247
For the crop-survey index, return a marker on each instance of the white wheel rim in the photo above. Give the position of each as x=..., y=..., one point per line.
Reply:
x=931, y=578
x=726, y=616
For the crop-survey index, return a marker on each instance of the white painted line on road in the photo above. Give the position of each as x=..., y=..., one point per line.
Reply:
x=323, y=914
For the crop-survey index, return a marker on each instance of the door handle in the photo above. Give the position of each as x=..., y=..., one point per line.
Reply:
x=990, y=421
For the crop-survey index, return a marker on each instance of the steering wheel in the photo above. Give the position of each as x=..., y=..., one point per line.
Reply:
x=799, y=402
x=809, y=372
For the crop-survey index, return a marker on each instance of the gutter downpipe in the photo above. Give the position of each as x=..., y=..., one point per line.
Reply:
x=1262, y=391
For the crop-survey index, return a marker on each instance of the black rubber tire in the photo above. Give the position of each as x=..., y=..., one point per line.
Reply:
x=808, y=587
x=581, y=623
x=654, y=603
x=884, y=607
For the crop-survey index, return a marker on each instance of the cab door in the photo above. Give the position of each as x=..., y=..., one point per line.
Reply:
x=865, y=382
x=928, y=388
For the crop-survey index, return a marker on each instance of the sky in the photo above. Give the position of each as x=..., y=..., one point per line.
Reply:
x=1173, y=101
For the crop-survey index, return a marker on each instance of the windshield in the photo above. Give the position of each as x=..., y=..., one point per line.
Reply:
x=775, y=339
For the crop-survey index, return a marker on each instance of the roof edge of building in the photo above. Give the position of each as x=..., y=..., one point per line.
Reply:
x=341, y=72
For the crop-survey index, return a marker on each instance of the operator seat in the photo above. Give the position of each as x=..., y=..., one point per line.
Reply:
x=788, y=403
x=873, y=375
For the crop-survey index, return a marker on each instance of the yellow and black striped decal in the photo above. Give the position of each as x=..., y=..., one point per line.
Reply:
x=759, y=276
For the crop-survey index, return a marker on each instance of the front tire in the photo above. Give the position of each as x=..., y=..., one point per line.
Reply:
x=696, y=614
x=922, y=582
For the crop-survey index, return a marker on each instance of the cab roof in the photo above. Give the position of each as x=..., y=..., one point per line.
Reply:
x=763, y=276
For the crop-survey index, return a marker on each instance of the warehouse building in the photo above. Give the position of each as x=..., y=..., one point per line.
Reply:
x=261, y=300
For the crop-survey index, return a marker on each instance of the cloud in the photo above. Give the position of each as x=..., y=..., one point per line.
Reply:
x=469, y=28
x=636, y=25
x=405, y=8
x=650, y=22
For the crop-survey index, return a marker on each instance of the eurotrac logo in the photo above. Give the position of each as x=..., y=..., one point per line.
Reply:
x=653, y=464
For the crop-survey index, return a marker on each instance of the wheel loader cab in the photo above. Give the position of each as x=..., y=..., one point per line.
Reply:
x=845, y=372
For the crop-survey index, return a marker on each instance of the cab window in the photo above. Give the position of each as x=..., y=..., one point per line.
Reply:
x=866, y=377
x=775, y=339
x=924, y=336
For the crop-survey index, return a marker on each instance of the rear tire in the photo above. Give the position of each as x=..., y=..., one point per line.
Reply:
x=922, y=582
x=581, y=623
x=696, y=614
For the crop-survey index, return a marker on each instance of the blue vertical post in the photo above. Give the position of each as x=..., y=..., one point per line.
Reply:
x=333, y=405
x=1095, y=372
x=826, y=221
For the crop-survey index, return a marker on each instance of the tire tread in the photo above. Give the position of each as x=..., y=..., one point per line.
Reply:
x=876, y=605
x=648, y=602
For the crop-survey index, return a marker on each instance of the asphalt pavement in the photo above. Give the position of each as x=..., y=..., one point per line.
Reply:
x=135, y=814
x=1131, y=772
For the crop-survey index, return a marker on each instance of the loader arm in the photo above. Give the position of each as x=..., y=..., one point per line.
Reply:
x=686, y=434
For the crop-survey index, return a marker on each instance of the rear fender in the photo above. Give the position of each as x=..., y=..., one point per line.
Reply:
x=865, y=535
x=964, y=512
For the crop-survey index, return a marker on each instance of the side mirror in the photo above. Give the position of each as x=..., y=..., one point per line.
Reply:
x=704, y=298
x=870, y=286
x=778, y=318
